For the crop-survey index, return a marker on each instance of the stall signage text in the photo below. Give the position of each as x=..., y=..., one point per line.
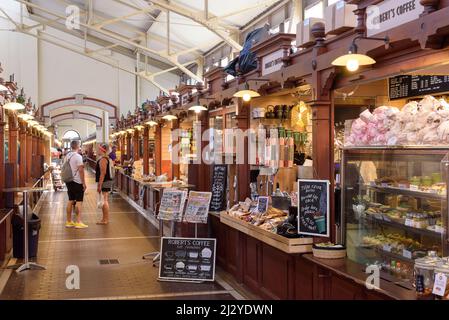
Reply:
x=391, y=14
x=313, y=207
x=272, y=62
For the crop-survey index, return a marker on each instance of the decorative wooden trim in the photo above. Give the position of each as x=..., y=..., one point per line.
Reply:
x=96, y=103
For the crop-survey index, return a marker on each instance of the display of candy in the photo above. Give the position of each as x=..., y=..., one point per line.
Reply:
x=423, y=123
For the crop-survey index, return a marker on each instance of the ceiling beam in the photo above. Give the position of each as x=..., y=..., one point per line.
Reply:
x=175, y=45
x=98, y=41
x=119, y=19
x=156, y=37
x=198, y=17
x=240, y=10
x=150, y=78
x=121, y=39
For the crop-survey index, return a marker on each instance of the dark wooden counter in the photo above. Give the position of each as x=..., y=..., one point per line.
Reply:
x=353, y=272
x=273, y=274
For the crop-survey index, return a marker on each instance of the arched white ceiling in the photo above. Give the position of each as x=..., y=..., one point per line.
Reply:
x=76, y=115
x=176, y=40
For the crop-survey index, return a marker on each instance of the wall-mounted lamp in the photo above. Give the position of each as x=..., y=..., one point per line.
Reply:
x=25, y=116
x=169, y=117
x=32, y=123
x=13, y=106
x=198, y=108
x=151, y=123
x=246, y=94
x=353, y=60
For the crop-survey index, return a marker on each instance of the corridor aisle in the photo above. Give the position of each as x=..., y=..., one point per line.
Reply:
x=122, y=242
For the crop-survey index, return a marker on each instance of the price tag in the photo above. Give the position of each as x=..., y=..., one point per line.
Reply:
x=439, y=286
x=407, y=254
x=386, y=247
x=414, y=187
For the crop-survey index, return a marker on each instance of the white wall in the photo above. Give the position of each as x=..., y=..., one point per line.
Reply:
x=48, y=72
x=18, y=56
x=83, y=127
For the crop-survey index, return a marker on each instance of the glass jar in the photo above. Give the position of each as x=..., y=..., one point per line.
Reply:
x=436, y=178
x=415, y=181
x=426, y=181
x=424, y=270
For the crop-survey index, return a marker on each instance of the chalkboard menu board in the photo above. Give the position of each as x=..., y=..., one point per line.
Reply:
x=187, y=259
x=313, y=207
x=407, y=86
x=219, y=179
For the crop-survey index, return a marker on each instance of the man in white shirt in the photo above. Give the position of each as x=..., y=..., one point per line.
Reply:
x=75, y=188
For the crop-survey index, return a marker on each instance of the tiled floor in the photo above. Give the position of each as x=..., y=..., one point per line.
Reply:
x=126, y=238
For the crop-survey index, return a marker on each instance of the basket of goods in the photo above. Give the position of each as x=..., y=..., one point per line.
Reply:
x=328, y=250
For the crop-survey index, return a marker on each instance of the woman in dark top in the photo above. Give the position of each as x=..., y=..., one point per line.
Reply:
x=103, y=179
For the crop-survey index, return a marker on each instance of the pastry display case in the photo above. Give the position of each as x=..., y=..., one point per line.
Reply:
x=395, y=207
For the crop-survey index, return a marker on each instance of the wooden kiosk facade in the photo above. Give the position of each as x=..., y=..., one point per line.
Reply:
x=256, y=261
x=23, y=152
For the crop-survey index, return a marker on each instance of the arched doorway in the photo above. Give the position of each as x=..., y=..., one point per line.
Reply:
x=68, y=137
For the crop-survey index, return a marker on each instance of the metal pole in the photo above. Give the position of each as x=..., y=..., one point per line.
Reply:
x=25, y=227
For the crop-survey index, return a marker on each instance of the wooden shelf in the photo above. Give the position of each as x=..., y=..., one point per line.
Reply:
x=288, y=245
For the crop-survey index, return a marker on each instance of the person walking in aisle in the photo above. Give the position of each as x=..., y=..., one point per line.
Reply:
x=113, y=157
x=104, y=179
x=76, y=187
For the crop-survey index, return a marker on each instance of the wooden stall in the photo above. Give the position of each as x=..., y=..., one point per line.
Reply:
x=249, y=259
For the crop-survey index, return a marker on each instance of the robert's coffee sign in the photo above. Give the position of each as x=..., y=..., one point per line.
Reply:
x=390, y=14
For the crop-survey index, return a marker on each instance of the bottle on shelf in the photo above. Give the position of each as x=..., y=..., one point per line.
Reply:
x=278, y=192
x=282, y=147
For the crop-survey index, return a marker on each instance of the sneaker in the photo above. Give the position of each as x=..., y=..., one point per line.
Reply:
x=70, y=224
x=80, y=225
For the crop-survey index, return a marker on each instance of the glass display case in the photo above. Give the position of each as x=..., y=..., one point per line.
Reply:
x=394, y=207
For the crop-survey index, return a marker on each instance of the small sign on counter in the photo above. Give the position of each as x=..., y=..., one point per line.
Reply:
x=313, y=208
x=262, y=204
x=219, y=182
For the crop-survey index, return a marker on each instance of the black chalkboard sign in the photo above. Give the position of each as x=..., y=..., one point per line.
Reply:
x=313, y=208
x=408, y=86
x=187, y=259
x=219, y=179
